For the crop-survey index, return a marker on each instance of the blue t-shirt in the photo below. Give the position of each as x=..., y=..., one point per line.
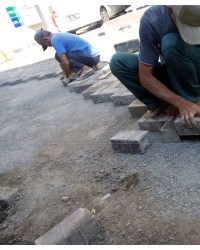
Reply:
x=67, y=42
x=154, y=24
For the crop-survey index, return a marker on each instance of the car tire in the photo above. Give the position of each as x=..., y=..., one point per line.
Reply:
x=104, y=15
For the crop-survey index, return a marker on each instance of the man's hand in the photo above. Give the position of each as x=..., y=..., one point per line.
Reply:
x=188, y=111
x=65, y=65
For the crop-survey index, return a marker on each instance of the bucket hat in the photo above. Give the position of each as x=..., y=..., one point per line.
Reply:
x=187, y=18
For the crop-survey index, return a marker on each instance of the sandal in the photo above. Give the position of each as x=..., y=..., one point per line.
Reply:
x=85, y=74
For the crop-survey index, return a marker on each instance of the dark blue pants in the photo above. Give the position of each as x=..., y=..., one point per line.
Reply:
x=77, y=60
x=180, y=73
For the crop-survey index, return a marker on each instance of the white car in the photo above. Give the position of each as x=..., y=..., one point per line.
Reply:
x=71, y=18
x=109, y=11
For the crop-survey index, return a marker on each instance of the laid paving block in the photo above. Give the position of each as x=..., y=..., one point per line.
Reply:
x=101, y=84
x=85, y=84
x=169, y=133
x=79, y=86
x=71, y=85
x=106, y=69
x=105, y=75
x=104, y=94
x=7, y=196
x=137, y=108
x=127, y=97
x=130, y=141
x=80, y=228
x=102, y=64
x=128, y=46
x=152, y=124
x=186, y=131
x=122, y=97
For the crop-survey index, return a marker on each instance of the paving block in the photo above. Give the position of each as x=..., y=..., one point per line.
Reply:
x=116, y=98
x=169, y=133
x=127, y=97
x=137, y=108
x=7, y=196
x=79, y=86
x=80, y=228
x=130, y=141
x=71, y=85
x=105, y=75
x=102, y=64
x=85, y=84
x=100, y=84
x=104, y=94
x=122, y=97
x=152, y=124
x=185, y=131
x=106, y=69
x=128, y=46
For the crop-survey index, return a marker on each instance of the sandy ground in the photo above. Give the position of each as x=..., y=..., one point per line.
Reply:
x=53, y=143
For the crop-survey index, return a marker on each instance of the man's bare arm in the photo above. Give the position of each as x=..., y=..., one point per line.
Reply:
x=65, y=64
x=187, y=109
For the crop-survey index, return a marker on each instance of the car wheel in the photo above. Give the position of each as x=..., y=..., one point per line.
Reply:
x=104, y=15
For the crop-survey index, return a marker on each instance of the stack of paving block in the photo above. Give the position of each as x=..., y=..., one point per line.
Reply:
x=128, y=46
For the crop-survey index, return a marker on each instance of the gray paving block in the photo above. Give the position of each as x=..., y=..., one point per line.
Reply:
x=130, y=141
x=102, y=64
x=186, y=131
x=79, y=228
x=122, y=97
x=77, y=85
x=79, y=88
x=127, y=97
x=7, y=196
x=100, y=84
x=137, y=108
x=128, y=46
x=91, y=229
x=152, y=124
x=169, y=133
x=104, y=75
x=85, y=84
x=71, y=86
x=76, y=239
x=85, y=234
x=104, y=94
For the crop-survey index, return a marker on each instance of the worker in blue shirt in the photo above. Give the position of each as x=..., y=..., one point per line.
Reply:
x=73, y=52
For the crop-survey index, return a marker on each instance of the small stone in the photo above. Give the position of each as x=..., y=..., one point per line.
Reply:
x=65, y=198
x=106, y=197
x=140, y=208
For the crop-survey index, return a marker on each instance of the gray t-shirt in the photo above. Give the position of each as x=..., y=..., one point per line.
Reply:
x=154, y=24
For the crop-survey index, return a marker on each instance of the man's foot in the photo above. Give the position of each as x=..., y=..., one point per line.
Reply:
x=95, y=67
x=86, y=72
x=171, y=110
x=156, y=112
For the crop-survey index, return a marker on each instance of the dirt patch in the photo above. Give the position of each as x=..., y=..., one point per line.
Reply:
x=55, y=144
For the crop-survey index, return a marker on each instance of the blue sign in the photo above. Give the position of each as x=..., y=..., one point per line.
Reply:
x=14, y=16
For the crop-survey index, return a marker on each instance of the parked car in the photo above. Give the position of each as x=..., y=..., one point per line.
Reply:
x=109, y=11
x=71, y=18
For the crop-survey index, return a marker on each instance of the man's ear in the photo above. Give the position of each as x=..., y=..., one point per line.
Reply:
x=45, y=38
